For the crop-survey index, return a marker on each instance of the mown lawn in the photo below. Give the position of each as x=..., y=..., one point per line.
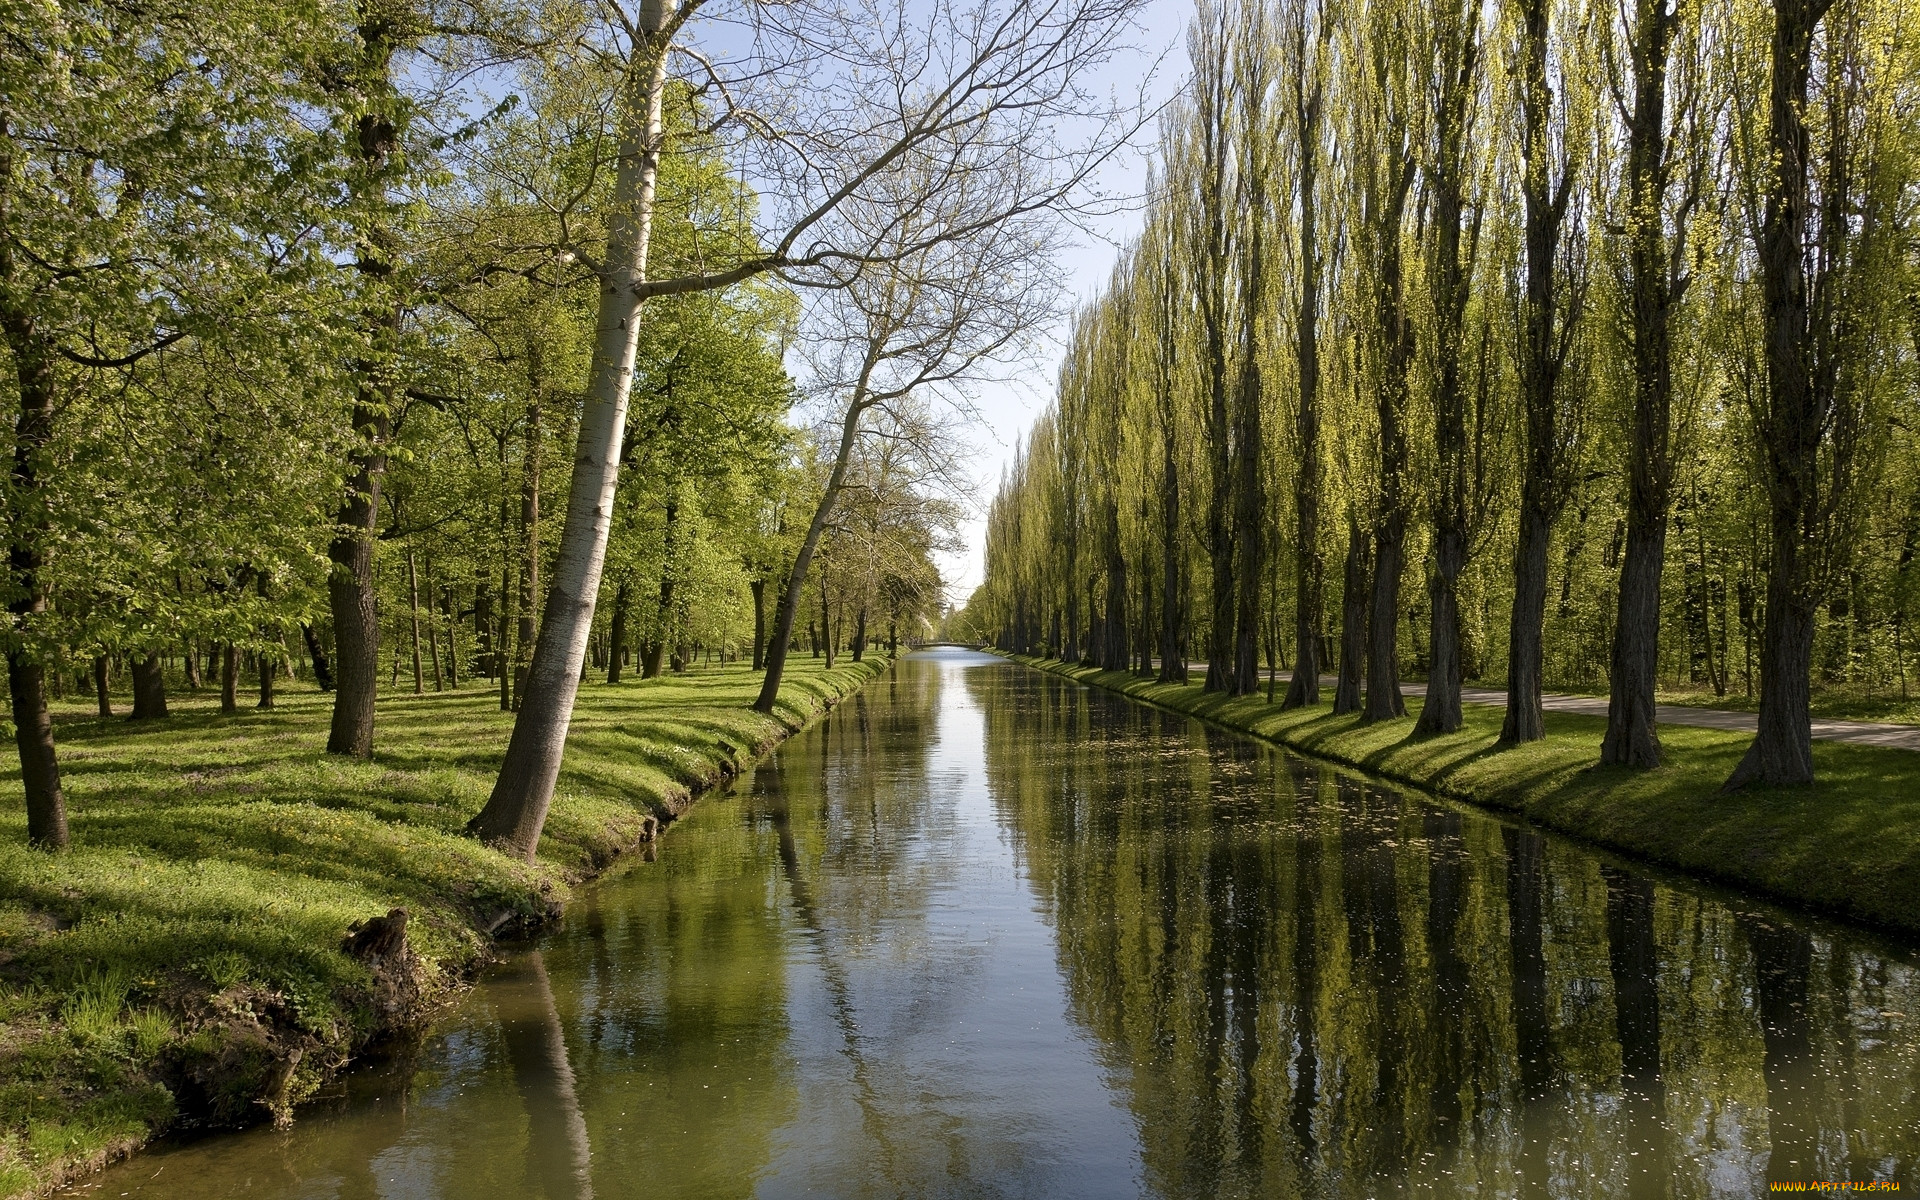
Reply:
x=1849, y=844
x=164, y=968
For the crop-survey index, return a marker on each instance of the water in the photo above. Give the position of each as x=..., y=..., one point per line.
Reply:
x=986, y=933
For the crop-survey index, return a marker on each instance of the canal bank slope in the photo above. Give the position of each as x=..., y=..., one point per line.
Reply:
x=1848, y=845
x=186, y=963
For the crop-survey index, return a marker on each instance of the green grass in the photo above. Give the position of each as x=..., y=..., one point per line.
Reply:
x=159, y=972
x=1849, y=844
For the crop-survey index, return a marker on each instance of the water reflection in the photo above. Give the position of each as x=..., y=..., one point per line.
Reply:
x=985, y=933
x=560, y=1156
x=1634, y=963
x=1310, y=985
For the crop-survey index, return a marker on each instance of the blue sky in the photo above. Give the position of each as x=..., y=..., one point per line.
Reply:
x=1007, y=410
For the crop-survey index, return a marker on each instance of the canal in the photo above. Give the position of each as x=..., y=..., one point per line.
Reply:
x=984, y=932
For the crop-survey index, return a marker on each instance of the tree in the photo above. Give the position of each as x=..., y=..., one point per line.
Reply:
x=869, y=129
x=1657, y=208
x=1157, y=255
x=1820, y=256
x=1553, y=296
x=1452, y=41
x=1308, y=34
x=375, y=114
x=885, y=347
x=1386, y=172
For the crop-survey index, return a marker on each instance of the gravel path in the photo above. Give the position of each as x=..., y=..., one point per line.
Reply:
x=1860, y=733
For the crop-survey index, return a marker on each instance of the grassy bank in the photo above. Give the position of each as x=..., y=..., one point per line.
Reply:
x=183, y=962
x=1848, y=845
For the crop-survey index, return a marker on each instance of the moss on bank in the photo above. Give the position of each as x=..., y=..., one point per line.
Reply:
x=182, y=963
x=1848, y=844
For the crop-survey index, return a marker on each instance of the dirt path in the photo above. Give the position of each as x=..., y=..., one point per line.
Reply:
x=1860, y=733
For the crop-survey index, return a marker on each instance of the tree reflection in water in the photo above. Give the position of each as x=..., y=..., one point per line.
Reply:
x=1309, y=984
x=559, y=1160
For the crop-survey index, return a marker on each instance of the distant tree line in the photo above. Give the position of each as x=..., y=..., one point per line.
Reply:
x=1532, y=342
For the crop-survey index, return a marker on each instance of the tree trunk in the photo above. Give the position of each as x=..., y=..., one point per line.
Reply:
x=1795, y=422
x=1114, y=653
x=517, y=809
x=503, y=639
x=1632, y=739
x=26, y=533
x=1383, y=698
x=655, y=650
x=860, y=633
x=433, y=635
x=230, y=679
x=617, y=634
x=39, y=769
x=1441, y=711
x=759, y=589
x=1250, y=505
x=1220, y=548
x=529, y=565
x=1173, y=659
x=1353, y=620
x=192, y=667
x=797, y=576
x=100, y=665
x=1069, y=648
x=1173, y=592
x=413, y=615
x=1145, y=624
x=1249, y=437
x=322, y=673
x=149, y=688
x=1211, y=248
x=826, y=622
x=350, y=594
x=269, y=666
x=1526, y=720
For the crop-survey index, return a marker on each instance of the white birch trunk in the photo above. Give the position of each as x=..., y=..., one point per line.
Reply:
x=517, y=810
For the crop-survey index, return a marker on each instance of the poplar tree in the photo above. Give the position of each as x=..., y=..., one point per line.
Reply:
x=1553, y=296
x=1658, y=195
x=1448, y=144
x=1379, y=121
x=1307, y=33
x=1829, y=175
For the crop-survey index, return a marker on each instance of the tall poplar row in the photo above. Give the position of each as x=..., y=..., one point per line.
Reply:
x=1447, y=320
